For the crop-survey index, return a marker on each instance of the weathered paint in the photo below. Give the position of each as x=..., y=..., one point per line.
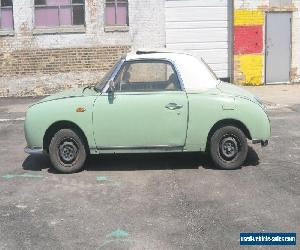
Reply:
x=248, y=40
x=101, y=178
x=248, y=46
x=31, y=51
x=104, y=179
x=251, y=66
x=10, y=176
x=245, y=17
x=118, y=236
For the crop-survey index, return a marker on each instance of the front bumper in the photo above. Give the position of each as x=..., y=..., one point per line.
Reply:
x=262, y=142
x=34, y=151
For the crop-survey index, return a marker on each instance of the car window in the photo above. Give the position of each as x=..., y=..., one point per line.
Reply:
x=147, y=76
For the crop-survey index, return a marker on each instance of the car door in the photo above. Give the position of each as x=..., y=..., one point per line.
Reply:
x=147, y=110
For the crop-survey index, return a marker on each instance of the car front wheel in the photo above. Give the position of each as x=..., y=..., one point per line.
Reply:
x=228, y=148
x=67, y=151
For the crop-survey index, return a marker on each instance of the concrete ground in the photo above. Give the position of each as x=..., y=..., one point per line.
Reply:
x=172, y=201
x=277, y=95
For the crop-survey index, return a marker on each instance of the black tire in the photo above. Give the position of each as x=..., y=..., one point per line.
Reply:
x=67, y=151
x=228, y=148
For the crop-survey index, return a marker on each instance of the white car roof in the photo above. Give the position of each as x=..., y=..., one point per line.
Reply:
x=195, y=75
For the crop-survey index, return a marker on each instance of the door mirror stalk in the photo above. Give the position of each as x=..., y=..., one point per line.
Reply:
x=111, y=86
x=111, y=91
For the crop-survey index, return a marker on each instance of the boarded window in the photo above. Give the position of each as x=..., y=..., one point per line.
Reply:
x=55, y=13
x=6, y=15
x=116, y=12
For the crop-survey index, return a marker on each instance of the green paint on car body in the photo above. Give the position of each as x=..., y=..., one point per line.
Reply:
x=25, y=175
x=143, y=121
x=163, y=127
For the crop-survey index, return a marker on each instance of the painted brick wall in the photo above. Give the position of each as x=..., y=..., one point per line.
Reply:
x=248, y=46
x=36, y=58
x=249, y=39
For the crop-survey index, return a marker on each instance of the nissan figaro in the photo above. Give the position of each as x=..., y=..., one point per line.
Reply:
x=152, y=102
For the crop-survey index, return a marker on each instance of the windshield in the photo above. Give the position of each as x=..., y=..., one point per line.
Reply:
x=107, y=76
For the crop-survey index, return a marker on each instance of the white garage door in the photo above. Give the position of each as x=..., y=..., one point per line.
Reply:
x=200, y=27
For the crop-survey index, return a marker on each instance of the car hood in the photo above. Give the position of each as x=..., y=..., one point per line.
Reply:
x=231, y=89
x=79, y=92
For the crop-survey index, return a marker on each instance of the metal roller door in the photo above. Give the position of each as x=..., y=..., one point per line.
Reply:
x=201, y=27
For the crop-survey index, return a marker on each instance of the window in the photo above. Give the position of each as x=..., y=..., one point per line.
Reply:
x=116, y=12
x=56, y=13
x=6, y=15
x=147, y=76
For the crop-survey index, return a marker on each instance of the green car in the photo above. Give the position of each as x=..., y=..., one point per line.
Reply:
x=149, y=102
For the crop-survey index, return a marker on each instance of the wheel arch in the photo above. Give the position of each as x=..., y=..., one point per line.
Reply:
x=228, y=122
x=55, y=127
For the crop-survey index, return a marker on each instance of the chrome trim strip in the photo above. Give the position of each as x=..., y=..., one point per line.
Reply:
x=140, y=147
x=34, y=151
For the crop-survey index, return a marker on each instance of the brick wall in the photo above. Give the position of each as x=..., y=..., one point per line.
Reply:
x=52, y=61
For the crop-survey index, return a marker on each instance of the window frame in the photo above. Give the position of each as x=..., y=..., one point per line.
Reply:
x=115, y=76
x=116, y=15
x=72, y=27
x=7, y=31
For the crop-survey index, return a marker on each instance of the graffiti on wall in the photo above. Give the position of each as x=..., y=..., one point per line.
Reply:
x=248, y=46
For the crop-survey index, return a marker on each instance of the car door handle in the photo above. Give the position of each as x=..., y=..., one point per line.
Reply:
x=174, y=106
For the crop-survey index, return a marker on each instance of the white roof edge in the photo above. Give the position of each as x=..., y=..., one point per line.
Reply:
x=153, y=50
x=173, y=56
x=193, y=72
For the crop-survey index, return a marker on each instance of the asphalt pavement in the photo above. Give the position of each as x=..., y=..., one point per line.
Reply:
x=158, y=201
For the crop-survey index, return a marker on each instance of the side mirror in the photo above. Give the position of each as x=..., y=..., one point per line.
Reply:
x=111, y=86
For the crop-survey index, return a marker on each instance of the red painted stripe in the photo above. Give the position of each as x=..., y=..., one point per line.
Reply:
x=248, y=39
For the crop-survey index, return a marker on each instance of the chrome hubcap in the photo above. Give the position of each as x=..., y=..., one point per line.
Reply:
x=228, y=147
x=68, y=150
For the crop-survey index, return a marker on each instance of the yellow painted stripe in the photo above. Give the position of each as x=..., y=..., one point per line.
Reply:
x=248, y=17
x=251, y=67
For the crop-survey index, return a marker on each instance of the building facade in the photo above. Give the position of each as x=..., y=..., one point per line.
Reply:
x=248, y=42
x=49, y=45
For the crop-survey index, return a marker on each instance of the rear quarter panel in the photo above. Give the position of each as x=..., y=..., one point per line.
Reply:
x=206, y=109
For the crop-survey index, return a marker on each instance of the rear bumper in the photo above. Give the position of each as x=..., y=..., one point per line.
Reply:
x=262, y=142
x=34, y=151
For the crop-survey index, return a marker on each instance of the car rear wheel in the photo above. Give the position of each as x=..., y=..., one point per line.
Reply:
x=228, y=148
x=67, y=151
